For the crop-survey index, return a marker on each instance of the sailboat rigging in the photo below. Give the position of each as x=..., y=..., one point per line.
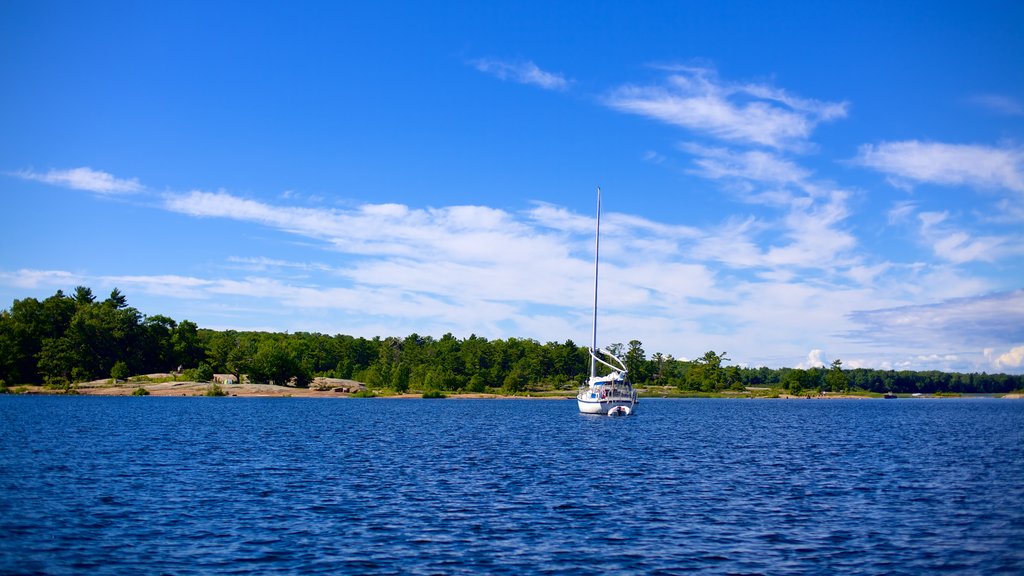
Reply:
x=611, y=394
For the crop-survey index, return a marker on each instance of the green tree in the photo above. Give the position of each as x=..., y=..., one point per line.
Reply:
x=8, y=347
x=476, y=384
x=515, y=381
x=156, y=347
x=734, y=378
x=706, y=373
x=636, y=362
x=438, y=378
x=116, y=299
x=119, y=371
x=658, y=362
x=58, y=361
x=277, y=360
x=476, y=357
x=203, y=373
x=400, y=377
x=218, y=347
x=388, y=351
x=798, y=380
x=616, y=349
x=100, y=335
x=271, y=363
x=570, y=361
x=186, y=347
x=24, y=328
x=835, y=379
x=83, y=296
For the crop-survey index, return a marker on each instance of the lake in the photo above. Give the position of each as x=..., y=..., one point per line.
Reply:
x=115, y=485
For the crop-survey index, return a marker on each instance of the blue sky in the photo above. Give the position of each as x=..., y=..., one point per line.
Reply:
x=790, y=182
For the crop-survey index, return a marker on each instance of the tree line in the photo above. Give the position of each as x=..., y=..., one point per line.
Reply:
x=70, y=338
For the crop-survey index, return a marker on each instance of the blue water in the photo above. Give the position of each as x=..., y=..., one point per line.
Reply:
x=239, y=485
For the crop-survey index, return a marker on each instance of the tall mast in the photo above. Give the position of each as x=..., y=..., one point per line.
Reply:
x=597, y=250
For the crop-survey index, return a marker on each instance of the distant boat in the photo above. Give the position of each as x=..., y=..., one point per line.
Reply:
x=890, y=396
x=611, y=394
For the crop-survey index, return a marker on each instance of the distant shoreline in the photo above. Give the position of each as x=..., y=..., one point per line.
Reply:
x=247, y=390
x=172, y=389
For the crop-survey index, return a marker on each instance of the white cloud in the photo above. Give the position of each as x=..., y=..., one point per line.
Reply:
x=457, y=232
x=866, y=275
x=809, y=229
x=815, y=359
x=816, y=240
x=263, y=264
x=756, y=165
x=1012, y=359
x=808, y=235
x=561, y=219
x=172, y=285
x=84, y=179
x=732, y=243
x=953, y=241
x=521, y=73
x=695, y=99
x=30, y=279
x=959, y=246
x=976, y=166
x=449, y=252
x=765, y=290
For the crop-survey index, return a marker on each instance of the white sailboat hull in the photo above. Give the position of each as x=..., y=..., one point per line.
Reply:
x=602, y=398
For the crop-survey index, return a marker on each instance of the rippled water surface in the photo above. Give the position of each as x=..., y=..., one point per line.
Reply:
x=198, y=485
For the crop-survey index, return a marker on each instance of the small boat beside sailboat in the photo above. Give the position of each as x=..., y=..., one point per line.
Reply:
x=610, y=394
x=620, y=411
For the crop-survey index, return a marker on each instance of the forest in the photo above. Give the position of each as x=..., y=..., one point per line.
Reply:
x=66, y=339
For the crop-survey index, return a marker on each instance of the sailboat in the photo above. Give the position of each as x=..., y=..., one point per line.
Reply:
x=611, y=394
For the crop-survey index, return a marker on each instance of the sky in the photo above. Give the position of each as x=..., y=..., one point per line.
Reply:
x=791, y=183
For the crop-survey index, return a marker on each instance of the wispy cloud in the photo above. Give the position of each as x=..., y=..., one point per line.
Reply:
x=901, y=212
x=460, y=233
x=805, y=232
x=84, y=179
x=760, y=166
x=264, y=264
x=29, y=279
x=960, y=246
x=521, y=72
x=173, y=285
x=479, y=255
x=999, y=104
x=754, y=114
x=815, y=236
x=976, y=166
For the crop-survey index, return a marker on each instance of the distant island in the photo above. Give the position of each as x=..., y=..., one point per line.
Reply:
x=78, y=344
x=224, y=385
